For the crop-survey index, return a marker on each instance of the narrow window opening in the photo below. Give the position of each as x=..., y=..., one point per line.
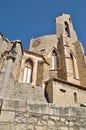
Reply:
x=42, y=51
x=70, y=20
x=73, y=66
x=62, y=92
x=67, y=29
x=75, y=98
x=54, y=60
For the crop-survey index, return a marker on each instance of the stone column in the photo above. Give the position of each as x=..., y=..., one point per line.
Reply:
x=6, y=77
x=7, y=74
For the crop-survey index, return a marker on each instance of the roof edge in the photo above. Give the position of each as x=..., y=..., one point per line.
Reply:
x=66, y=82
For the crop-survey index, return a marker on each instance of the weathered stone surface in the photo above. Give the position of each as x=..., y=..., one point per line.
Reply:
x=64, y=128
x=20, y=118
x=20, y=127
x=82, y=128
x=27, y=120
x=40, y=128
x=16, y=105
x=4, y=126
x=30, y=127
x=62, y=119
x=51, y=124
x=55, y=118
x=32, y=120
x=45, y=117
x=7, y=116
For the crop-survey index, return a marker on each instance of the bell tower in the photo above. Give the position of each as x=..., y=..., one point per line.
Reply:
x=66, y=39
x=64, y=27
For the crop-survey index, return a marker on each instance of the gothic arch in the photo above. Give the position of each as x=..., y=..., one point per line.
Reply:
x=28, y=71
x=54, y=59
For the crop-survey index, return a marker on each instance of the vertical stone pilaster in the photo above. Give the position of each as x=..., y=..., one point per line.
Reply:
x=6, y=77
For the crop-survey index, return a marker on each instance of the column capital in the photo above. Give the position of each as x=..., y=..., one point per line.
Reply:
x=11, y=57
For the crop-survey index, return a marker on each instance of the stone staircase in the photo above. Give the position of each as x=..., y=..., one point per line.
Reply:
x=27, y=92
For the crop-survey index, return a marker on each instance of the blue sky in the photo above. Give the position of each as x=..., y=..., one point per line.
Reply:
x=26, y=19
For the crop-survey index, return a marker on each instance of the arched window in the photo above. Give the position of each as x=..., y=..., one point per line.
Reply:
x=28, y=69
x=73, y=66
x=67, y=29
x=54, y=60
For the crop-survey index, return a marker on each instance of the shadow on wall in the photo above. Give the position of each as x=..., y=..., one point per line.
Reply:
x=46, y=94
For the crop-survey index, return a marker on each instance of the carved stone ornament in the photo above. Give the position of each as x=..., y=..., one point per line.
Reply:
x=12, y=53
x=35, y=44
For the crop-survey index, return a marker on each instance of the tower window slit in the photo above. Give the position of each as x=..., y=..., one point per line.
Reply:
x=54, y=60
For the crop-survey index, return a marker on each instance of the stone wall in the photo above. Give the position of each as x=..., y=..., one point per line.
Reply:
x=64, y=93
x=5, y=46
x=25, y=116
x=44, y=44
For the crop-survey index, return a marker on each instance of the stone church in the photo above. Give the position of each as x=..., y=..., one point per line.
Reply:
x=52, y=71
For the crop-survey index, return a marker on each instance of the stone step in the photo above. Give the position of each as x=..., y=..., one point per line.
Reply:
x=27, y=92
